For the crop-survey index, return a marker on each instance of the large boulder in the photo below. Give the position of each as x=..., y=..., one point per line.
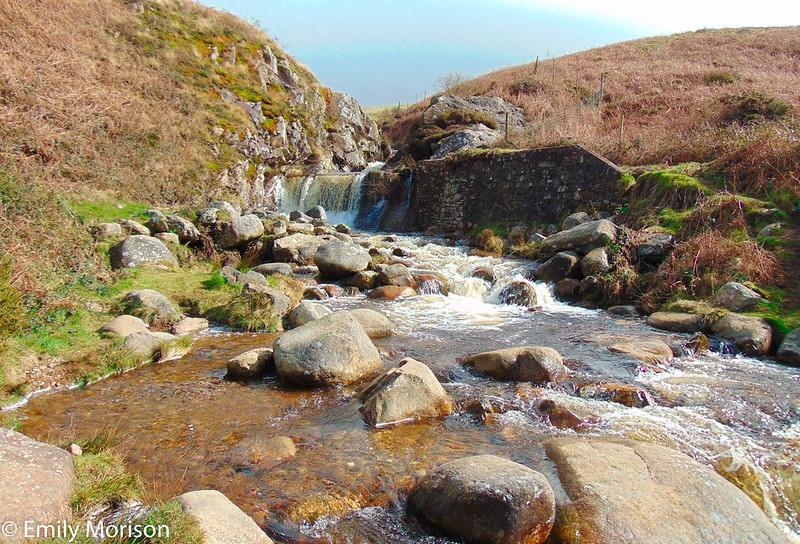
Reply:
x=396, y=274
x=250, y=364
x=648, y=351
x=626, y=491
x=581, y=238
x=789, y=351
x=36, y=483
x=519, y=293
x=366, y=279
x=331, y=350
x=151, y=306
x=337, y=259
x=185, y=229
x=561, y=265
x=124, y=326
x=107, y=231
x=156, y=221
x=486, y=499
x=160, y=346
x=655, y=249
x=190, y=325
x=736, y=297
x=375, y=324
x=535, y=364
x=752, y=335
x=406, y=392
x=297, y=248
x=317, y=212
x=477, y=135
x=139, y=250
x=575, y=219
x=676, y=322
x=268, y=269
x=219, y=520
x=239, y=230
x=595, y=262
x=307, y=311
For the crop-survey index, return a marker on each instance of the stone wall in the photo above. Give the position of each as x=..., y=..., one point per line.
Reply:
x=529, y=186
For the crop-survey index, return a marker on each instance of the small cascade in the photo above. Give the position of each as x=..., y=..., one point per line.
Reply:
x=339, y=193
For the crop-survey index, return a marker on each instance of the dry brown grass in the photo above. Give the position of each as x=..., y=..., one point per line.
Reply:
x=665, y=100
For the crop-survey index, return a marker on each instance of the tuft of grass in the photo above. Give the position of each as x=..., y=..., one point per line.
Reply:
x=488, y=240
x=102, y=479
x=249, y=312
x=215, y=281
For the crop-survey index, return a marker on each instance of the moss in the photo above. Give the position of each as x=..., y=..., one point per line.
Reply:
x=708, y=312
x=674, y=180
x=626, y=181
x=673, y=220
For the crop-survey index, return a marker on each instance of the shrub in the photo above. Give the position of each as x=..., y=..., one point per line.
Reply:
x=487, y=240
x=754, y=106
x=719, y=77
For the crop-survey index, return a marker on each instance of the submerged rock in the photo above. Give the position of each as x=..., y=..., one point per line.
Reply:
x=752, y=335
x=676, y=322
x=626, y=491
x=250, y=364
x=485, y=273
x=337, y=259
x=486, y=499
x=534, y=364
x=736, y=297
x=406, y=392
x=37, y=481
x=334, y=349
x=649, y=351
x=621, y=393
x=559, y=416
x=221, y=521
x=138, y=250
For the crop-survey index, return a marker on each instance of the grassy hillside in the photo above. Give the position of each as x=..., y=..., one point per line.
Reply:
x=724, y=96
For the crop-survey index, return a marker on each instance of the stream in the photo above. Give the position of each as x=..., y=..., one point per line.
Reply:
x=185, y=427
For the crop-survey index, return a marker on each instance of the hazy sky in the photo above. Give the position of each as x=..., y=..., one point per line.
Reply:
x=385, y=51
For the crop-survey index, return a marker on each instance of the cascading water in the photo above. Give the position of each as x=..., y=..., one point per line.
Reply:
x=339, y=193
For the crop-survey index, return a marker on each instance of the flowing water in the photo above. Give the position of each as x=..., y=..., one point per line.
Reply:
x=188, y=428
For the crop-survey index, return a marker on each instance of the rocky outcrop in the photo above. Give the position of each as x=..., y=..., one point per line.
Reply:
x=406, y=392
x=752, y=335
x=36, y=483
x=736, y=297
x=625, y=491
x=338, y=260
x=486, y=499
x=331, y=350
x=477, y=135
x=535, y=364
x=621, y=393
x=138, y=250
x=219, y=520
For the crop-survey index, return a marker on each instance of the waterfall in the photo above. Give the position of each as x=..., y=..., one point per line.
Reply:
x=339, y=193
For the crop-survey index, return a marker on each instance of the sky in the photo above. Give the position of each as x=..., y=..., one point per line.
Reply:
x=389, y=51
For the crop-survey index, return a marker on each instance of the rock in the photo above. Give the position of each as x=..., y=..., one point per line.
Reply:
x=190, y=325
x=518, y=235
x=568, y=287
x=695, y=344
x=391, y=292
x=396, y=274
x=297, y=248
x=185, y=229
x=477, y=135
x=207, y=217
x=626, y=491
x=486, y=499
x=334, y=349
x=559, y=266
x=299, y=217
x=124, y=325
x=366, y=279
x=306, y=312
x=409, y=391
x=317, y=212
x=375, y=323
x=581, y=239
x=251, y=364
x=652, y=352
x=559, y=416
x=621, y=393
x=737, y=468
x=37, y=481
x=75, y=450
x=107, y=231
x=338, y=260
x=595, y=262
x=167, y=237
x=519, y=293
x=280, y=304
x=151, y=306
x=315, y=292
x=239, y=230
x=624, y=311
x=261, y=450
x=431, y=283
x=306, y=271
x=575, y=219
x=134, y=227
x=225, y=210
x=676, y=322
x=276, y=228
x=655, y=249
x=156, y=221
x=220, y=521
x=303, y=228
x=274, y=268
x=483, y=272
x=534, y=364
x=343, y=229
x=138, y=250
x=773, y=229
x=736, y=297
x=789, y=351
x=152, y=344
x=752, y=335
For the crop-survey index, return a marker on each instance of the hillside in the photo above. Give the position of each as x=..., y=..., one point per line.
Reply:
x=723, y=96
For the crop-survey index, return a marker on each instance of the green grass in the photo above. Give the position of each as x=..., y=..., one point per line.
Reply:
x=215, y=281
x=106, y=211
x=627, y=181
x=673, y=220
x=774, y=309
